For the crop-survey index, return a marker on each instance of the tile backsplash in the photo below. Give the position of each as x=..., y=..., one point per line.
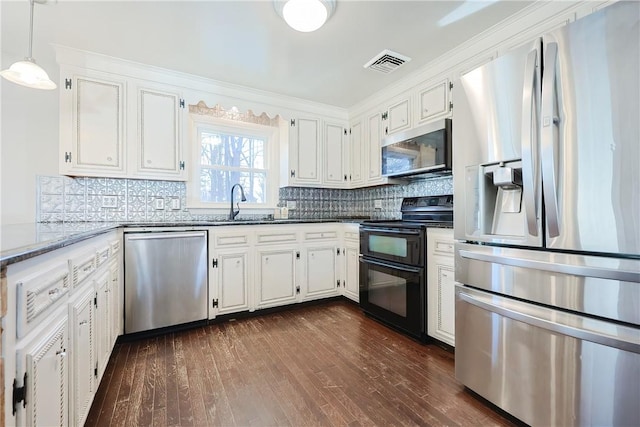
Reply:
x=62, y=198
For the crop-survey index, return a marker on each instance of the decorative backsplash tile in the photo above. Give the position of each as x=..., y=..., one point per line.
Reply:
x=62, y=198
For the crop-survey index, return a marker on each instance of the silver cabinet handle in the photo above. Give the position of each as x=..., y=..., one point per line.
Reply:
x=575, y=270
x=554, y=326
x=549, y=132
x=529, y=140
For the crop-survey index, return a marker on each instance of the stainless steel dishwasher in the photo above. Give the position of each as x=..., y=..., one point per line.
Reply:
x=165, y=281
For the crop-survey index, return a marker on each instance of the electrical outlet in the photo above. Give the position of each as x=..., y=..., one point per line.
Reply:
x=109, y=201
x=291, y=204
x=377, y=204
x=158, y=204
x=175, y=203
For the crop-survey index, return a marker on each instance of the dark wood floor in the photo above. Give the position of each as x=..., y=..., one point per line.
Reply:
x=320, y=365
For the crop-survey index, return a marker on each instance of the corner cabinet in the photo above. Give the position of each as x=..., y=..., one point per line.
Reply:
x=114, y=126
x=92, y=123
x=441, y=285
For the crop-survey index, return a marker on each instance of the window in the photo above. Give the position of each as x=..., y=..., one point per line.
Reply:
x=228, y=153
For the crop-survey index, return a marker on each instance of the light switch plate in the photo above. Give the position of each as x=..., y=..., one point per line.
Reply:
x=377, y=204
x=158, y=204
x=109, y=201
x=175, y=203
x=291, y=204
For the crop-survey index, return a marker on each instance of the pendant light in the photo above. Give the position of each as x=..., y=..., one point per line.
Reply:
x=27, y=72
x=305, y=15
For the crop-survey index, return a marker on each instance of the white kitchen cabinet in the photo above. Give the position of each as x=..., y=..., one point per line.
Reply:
x=276, y=276
x=351, y=262
x=84, y=368
x=230, y=281
x=158, y=131
x=305, y=151
x=373, y=145
x=115, y=303
x=441, y=285
x=92, y=123
x=320, y=270
x=42, y=375
x=398, y=115
x=336, y=155
x=434, y=101
x=355, y=153
x=103, y=313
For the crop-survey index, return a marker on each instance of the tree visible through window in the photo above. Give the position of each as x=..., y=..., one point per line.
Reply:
x=227, y=159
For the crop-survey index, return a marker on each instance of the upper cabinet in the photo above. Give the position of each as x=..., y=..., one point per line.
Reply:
x=158, y=131
x=355, y=152
x=336, y=155
x=112, y=126
x=92, y=124
x=305, y=153
x=434, y=101
x=398, y=115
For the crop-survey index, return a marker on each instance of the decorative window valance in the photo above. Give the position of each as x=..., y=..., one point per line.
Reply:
x=233, y=113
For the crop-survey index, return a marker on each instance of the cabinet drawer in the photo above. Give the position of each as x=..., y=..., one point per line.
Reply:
x=277, y=237
x=81, y=267
x=102, y=255
x=232, y=240
x=352, y=235
x=315, y=235
x=115, y=247
x=442, y=246
x=38, y=294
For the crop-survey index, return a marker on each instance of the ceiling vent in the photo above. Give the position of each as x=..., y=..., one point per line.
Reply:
x=386, y=61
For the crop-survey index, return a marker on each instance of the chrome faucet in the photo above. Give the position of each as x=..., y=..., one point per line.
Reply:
x=233, y=214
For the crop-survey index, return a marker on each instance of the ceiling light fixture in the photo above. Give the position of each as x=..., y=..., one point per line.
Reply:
x=27, y=72
x=305, y=15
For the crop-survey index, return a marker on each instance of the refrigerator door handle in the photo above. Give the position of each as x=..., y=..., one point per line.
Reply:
x=550, y=121
x=529, y=140
x=575, y=270
x=545, y=319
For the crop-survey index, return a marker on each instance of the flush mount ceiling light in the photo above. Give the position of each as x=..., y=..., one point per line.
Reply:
x=27, y=72
x=305, y=15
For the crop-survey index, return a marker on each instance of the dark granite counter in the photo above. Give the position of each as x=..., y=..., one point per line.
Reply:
x=23, y=241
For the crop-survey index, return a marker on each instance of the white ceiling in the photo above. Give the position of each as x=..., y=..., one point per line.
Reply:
x=247, y=43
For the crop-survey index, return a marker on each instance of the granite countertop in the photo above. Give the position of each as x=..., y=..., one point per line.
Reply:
x=22, y=241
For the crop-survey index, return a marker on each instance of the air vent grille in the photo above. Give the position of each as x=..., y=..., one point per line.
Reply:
x=386, y=61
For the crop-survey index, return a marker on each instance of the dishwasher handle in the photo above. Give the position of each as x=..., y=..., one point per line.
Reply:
x=165, y=235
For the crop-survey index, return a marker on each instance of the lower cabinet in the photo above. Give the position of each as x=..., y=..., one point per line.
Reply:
x=231, y=282
x=320, y=271
x=351, y=262
x=84, y=367
x=441, y=285
x=42, y=366
x=276, y=276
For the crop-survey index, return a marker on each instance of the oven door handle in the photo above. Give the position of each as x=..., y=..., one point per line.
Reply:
x=405, y=268
x=391, y=231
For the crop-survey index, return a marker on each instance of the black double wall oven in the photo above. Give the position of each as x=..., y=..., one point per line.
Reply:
x=393, y=264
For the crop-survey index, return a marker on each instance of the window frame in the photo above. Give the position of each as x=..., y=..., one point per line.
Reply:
x=270, y=134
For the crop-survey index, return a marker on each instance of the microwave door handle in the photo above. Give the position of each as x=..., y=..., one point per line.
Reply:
x=529, y=140
x=550, y=121
x=405, y=268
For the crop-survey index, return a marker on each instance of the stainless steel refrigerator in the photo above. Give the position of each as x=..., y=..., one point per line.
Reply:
x=547, y=224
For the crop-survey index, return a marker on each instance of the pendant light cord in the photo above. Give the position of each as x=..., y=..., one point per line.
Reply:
x=31, y=32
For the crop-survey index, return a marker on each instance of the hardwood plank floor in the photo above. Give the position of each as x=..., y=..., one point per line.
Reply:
x=326, y=365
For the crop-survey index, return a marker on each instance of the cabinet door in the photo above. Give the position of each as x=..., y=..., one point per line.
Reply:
x=84, y=367
x=305, y=151
x=398, y=116
x=355, y=155
x=320, y=272
x=115, y=304
x=103, y=321
x=335, y=170
x=44, y=361
x=276, y=276
x=351, y=274
x=159, y=153
x=374, y=153
x=434, y=101
x=92, y=124
x=231, y=282
x=441, y=285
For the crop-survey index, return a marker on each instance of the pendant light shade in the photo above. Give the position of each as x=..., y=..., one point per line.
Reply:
x=305, y=15
x=27, y=72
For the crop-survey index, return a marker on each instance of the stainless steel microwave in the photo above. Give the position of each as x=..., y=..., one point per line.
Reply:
x=421, y=150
